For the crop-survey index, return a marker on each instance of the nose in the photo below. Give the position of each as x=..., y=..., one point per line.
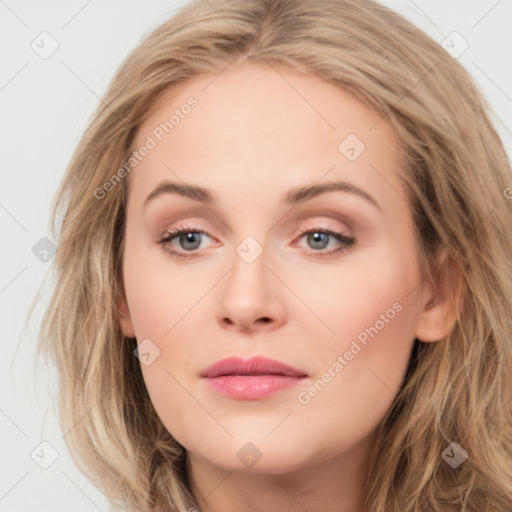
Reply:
x=250, y=298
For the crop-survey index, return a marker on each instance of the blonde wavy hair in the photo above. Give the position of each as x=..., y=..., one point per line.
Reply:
x=457, y=175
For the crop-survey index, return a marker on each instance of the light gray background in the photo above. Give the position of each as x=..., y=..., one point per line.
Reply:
x=46, y=105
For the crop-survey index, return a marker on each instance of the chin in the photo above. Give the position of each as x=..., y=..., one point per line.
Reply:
x=255, y=454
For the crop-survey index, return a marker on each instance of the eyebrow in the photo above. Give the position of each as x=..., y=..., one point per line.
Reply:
x=293, y=197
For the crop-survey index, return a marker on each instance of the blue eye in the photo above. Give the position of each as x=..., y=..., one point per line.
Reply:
x=186, y=237
x=190, y=239
x=320, y=239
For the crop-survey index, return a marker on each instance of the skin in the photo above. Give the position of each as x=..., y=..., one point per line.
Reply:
x=256, y=133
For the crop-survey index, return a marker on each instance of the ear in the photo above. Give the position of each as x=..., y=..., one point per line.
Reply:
x=124, y=316
x=441, y=299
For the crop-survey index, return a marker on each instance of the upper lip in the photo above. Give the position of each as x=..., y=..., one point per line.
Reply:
x=253, y=366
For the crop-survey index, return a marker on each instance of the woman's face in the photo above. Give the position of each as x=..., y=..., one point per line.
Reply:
x=266, y=278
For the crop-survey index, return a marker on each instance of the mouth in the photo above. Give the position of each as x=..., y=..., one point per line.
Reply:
x=252, y=379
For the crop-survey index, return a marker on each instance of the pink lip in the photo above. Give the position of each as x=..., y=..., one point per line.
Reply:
x=256, y=378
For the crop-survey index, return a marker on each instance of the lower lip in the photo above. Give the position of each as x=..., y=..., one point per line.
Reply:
x=252, y=387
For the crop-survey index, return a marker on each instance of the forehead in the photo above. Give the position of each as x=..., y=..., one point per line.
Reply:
x=253, y=125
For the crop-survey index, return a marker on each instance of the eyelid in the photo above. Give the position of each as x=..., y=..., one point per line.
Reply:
x=324, y=221
x=184, y=222
x=165, y=217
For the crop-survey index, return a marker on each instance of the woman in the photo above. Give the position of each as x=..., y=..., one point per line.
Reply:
x=337, y=337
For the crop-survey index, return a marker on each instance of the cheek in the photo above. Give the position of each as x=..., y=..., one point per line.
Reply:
x=368, y=297
x=161, y=301
x=159, y=293
x=360, y=370
x=371, y=314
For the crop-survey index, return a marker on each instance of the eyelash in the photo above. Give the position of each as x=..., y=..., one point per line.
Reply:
x=171, y=235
